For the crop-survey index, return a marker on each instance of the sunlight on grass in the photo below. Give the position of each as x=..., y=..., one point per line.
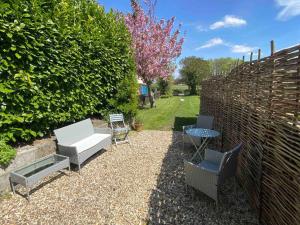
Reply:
x=171, y=113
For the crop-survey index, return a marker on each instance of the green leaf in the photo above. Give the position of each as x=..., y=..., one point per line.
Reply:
x=5, y=90
x=18, y=55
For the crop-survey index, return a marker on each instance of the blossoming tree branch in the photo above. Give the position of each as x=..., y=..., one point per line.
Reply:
x=156, y=43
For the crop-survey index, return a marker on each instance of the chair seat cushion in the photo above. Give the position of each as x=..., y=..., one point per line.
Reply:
x=89, y=142
x=209, y=166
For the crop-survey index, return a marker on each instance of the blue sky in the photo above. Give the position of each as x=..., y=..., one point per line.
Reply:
x=228, y=28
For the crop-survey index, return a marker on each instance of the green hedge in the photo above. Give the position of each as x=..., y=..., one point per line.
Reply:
x=7, y=153
x=61, y=61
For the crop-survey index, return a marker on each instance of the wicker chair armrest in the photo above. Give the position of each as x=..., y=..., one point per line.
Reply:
x=197, y=175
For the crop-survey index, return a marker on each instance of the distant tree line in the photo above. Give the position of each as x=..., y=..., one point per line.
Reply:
x=195, y=69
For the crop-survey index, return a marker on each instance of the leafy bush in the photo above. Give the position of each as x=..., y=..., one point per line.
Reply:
x=177, y=91
x=165, y=86
x=7, y=153
x=124, y=103
x=186, y=92
x=60, y=61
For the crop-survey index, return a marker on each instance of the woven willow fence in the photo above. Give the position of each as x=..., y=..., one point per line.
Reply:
x=258, y=104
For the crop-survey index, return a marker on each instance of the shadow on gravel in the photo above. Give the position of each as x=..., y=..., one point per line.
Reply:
x=170, y=203
x=93, y=157
x=20, y=190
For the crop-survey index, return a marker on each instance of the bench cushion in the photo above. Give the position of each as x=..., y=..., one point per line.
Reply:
x=89, y=142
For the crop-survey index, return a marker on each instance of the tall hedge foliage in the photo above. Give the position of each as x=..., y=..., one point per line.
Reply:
x=61, y=61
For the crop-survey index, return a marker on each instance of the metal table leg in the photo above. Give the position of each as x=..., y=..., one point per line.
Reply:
x=12, y=186
x=27, y=193
x=199, y=148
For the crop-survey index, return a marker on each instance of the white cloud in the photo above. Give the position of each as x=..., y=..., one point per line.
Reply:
x=241, y=49
x=201, y=28
x=290, y=8
x=235, y=48
x=211, y=43
x=228, y=21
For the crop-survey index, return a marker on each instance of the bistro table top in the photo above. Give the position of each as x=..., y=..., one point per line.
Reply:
x=202, y=133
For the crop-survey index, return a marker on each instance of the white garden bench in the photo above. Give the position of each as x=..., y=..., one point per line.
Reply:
x=81, y=140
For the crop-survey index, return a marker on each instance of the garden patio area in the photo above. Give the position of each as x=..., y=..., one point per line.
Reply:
x=138, y=184
x=138, y=113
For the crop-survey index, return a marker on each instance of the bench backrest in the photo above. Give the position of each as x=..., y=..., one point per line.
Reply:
x=74, y=132
x=116, y=120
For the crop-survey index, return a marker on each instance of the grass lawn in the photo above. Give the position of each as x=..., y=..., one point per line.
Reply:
x=171, y=113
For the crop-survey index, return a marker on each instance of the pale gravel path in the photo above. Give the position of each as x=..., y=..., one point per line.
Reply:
x=126, y=185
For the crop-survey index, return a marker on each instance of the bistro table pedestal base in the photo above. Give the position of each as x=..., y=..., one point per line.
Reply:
x=204, y=135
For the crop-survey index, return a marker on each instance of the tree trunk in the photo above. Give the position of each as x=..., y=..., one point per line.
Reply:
x=193, y=90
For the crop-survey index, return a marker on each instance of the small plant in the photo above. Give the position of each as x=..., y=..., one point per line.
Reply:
x=138, y=123
x=138, y=120
x=7, y=153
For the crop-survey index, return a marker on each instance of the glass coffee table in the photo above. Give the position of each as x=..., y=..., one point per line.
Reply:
x=31, y=174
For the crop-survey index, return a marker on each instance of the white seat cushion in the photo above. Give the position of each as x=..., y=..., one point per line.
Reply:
x=89, y=142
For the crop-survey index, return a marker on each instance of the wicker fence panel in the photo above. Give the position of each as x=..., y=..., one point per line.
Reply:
x=258, y=104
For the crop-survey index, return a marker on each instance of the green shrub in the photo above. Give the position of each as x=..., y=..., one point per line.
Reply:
x=7, y=153
x=186, y=92
x=61, y=61
x=124, y=103
x=165, y=86
x=177, y=92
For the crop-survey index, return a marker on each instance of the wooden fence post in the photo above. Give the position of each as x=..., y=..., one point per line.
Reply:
x=269, y=116
x=296, y=115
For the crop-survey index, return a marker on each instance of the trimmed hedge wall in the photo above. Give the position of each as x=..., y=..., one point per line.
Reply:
x=61, y=61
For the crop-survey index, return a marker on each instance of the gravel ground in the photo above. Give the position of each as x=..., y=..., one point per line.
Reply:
x=138, y=184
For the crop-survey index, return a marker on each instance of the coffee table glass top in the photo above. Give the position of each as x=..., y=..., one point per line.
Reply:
x=40, y=165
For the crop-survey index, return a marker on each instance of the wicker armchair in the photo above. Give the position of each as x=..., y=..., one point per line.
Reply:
x=210, y=173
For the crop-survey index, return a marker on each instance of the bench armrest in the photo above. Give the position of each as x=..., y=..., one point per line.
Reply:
x=67, y=150
x=104, y=130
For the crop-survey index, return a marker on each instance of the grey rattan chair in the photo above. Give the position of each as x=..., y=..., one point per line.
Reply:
x=119, y=129
x=209, y=174
x=205, y=122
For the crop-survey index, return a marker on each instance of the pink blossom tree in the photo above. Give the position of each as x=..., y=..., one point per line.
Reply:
x=155, y=42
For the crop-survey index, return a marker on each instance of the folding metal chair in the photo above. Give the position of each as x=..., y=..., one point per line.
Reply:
x=119, y=129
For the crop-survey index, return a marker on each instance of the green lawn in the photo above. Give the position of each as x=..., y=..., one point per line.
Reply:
x=171, y=113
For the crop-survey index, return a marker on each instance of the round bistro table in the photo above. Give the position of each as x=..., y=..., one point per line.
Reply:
x=204, y=135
